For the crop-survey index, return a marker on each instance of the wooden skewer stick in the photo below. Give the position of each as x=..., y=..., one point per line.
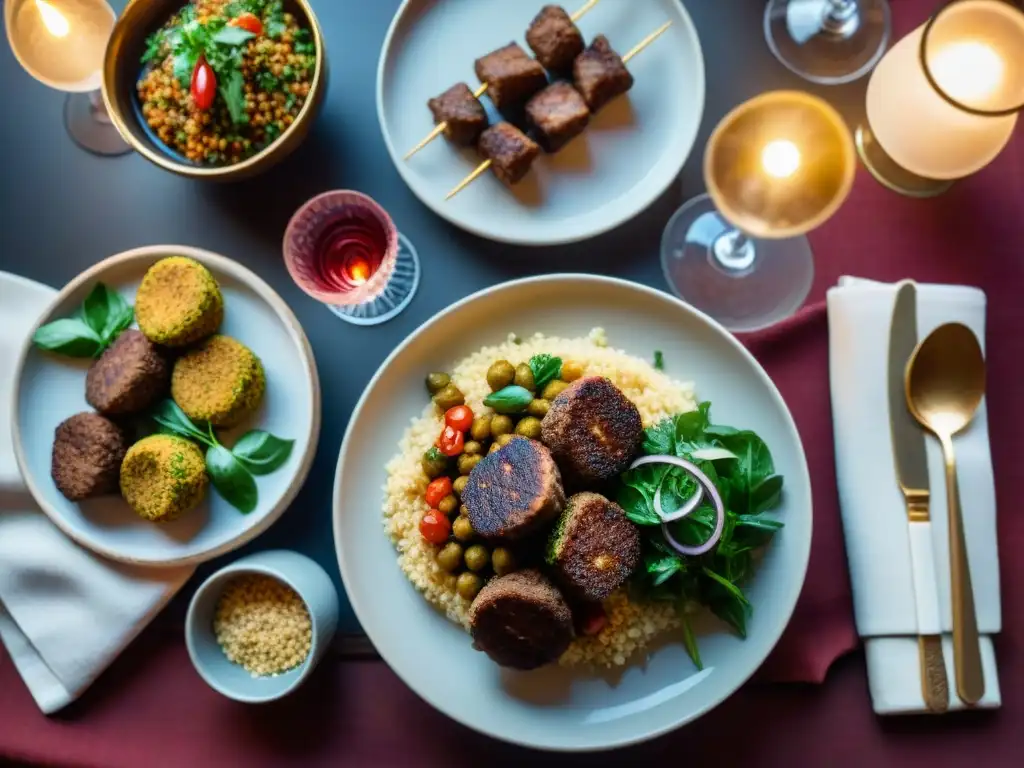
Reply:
x=481, y=90
x=486, y=164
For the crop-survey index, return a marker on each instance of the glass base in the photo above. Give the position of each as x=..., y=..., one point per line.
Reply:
x=745, y=289
x=891, y=174
x=397, y=294
x=828, y=41
x=89, y=126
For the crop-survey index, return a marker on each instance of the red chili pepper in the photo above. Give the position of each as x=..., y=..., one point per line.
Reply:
x=204, y=85
x=451, y=441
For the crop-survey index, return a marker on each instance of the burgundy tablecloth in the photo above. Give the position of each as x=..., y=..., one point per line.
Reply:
x=151, y=710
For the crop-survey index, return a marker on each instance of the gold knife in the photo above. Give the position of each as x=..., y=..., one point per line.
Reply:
x=908, y=444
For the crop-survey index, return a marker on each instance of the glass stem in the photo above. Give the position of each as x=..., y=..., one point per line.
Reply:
x=734, y=251
x=842, y=17
x=98, y=108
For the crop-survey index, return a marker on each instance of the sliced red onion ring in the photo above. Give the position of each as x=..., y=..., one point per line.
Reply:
x=677, y=514
x=709, y=488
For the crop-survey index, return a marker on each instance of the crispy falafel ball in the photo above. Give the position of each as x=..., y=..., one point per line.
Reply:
x=179, y=302
x=131, y=375
x=163, y=476
x=220, y=382
x=87, y=454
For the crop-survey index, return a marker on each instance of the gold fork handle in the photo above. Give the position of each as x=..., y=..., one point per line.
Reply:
x=934, y=684
x=970, y=680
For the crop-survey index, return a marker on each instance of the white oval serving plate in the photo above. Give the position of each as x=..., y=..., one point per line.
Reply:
x=553, y=708
x=50, y=388
x=630, y=153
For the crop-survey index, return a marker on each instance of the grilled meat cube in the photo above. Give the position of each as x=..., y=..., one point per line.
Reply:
x=511, y=75
x=514, y=491
x=559, y=114
x=462, y=111
x=600, y=74
x=593, y=431
x=594, y=547
x=510, y=150
x=521, y=620
x=554, y=39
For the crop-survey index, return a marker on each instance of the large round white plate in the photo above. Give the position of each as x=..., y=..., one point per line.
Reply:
x=50, y=388
x=631, y=152
x=552, y=708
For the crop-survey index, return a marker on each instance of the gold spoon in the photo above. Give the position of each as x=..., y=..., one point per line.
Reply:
x=945, y=381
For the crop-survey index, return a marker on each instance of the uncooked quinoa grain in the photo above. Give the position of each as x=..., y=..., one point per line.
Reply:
x=631, y=626
x=263, y=625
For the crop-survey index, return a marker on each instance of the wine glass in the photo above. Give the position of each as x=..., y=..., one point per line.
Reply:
x=61, y=44
x=776, y=167
x=828, y=41
x=343, y=249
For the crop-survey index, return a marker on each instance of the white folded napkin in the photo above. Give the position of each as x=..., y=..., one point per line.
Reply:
x=875, y=522
x=65, y=614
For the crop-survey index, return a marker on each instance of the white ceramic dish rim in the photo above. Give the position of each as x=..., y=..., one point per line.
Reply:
x=243, y=275
x=438, y=700
x=634, y=209
x=219, y=580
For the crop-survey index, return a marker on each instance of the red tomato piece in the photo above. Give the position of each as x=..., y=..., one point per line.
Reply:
x=451, y=441
x=437, y=490
x=204, y=85
x=434, y=527
x=460, y=417
x=248, y=22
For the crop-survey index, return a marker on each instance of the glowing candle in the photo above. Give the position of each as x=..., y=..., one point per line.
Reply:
x=54, y=21
x=780, y=159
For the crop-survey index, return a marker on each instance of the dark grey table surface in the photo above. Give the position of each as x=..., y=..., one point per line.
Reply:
x=63, y=209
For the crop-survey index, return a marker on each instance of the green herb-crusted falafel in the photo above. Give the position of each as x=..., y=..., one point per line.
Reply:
x=179, y=302
x=220, y=382
x=163, y=476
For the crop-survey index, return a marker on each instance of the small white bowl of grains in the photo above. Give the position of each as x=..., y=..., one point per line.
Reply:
x=256, y=628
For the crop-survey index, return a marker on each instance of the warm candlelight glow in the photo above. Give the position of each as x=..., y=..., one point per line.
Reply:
x=780, y=159
x=55, y=22
x=359, y=270
x=969, y=71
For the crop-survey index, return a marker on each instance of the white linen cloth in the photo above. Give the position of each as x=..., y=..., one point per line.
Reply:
x=65, y=614
x=873, y=509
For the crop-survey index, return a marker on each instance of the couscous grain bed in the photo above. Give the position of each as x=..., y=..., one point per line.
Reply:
x=225, y=78
x=630, y=626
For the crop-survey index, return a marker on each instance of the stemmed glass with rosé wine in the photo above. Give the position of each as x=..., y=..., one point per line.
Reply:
x=343, y=249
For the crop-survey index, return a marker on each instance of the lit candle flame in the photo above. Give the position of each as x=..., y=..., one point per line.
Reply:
x=968, y=71
x=781, y=159
x=55, y=22
x=359, y=271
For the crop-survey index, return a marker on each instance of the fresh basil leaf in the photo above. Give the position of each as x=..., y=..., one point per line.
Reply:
x=693, y=424
x=662, y=568
x=545, y=368
x=695, y=529
x=168, y=415
x=233, y=93
x=689, y=640
x=511, y=399
x=766, y=495
x=712, y=453
x=232, y=36
x=231, y=479
x=732, y=612
x=659, y=360
x=261, y=452
x=104, y=310
x=68, y=336
x=637, y=507
x=731, y=588
x=184, y=65
x=660, y=440
x=756, y=521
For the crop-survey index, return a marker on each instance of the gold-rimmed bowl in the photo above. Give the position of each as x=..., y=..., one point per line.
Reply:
x=122, y=70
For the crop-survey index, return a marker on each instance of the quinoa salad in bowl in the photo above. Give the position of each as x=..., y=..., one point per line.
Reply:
x=224, y=79
x=566, y=502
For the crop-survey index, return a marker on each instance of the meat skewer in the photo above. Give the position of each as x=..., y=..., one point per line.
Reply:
x=598, y=79
x=546, y=37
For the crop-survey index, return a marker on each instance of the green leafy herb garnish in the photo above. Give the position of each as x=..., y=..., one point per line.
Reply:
x=659, y=360
x=232, y=36
x=511, y=399
x=231, y=470
x=740, y=465
x=154, y=46
x=274, y=22
x=545, y=368
x=100, y=320
x=233, y=93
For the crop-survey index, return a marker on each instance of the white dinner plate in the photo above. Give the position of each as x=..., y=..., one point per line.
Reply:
x=630, y=153
x=552, y=708
x=50, y=388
